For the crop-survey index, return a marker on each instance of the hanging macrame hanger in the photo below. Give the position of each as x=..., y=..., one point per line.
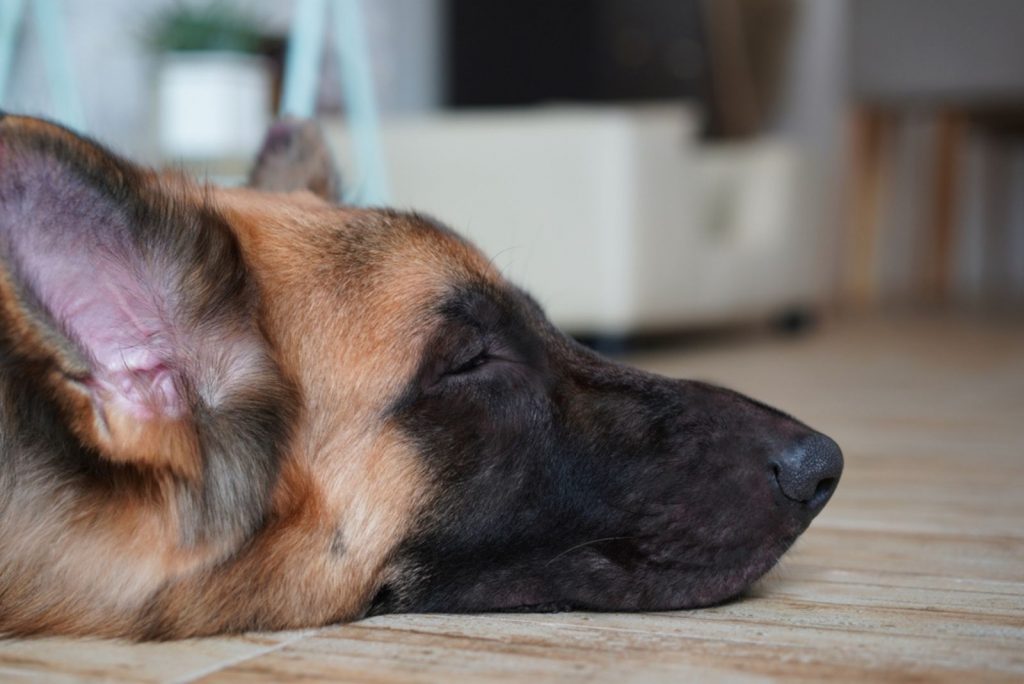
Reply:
x=302, y=78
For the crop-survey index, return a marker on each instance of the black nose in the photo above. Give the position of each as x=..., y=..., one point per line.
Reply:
x=808, y=472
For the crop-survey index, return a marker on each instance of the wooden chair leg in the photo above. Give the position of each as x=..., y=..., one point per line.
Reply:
x=869, y=128
x=949, y=143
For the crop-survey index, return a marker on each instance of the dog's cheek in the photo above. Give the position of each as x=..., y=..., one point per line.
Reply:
x=326, y=554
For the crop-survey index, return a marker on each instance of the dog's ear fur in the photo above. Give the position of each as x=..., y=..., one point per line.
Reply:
x=295, y=156
x=132, y=309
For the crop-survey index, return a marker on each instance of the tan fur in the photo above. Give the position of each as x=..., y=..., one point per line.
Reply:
x=349, y=476
x=347, y=327
x=352, y=338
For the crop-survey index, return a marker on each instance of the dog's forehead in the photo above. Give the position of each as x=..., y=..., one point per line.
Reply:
x=355, y=287
x=355, y=252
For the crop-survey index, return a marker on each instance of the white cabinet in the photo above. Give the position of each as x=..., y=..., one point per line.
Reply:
x=615, y=218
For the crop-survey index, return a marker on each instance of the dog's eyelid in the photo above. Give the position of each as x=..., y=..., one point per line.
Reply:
x=474, y=353
x=486, y=350
x=470, y=364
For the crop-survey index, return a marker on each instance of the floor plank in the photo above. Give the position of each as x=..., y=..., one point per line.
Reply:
x=914, y=571
x=70, y=660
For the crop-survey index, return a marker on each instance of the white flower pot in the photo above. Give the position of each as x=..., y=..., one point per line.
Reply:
x=212, y=105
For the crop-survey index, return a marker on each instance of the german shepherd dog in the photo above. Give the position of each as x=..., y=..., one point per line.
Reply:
x=234, y=409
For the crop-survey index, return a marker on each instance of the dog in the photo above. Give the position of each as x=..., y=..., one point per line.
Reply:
x=233, y=409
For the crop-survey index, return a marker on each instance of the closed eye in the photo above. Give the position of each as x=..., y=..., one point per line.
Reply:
x=471, y=364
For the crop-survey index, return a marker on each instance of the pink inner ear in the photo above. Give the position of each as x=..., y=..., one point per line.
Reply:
x=73, y=251
x=131, y=355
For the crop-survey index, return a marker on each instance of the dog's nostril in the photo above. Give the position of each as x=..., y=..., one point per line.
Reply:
x=823, y=492
x=809, y=471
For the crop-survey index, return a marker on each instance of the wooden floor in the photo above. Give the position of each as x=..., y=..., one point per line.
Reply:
x=914, y=571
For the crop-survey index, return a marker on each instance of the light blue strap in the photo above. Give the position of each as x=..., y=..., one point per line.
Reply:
x=302, y=77
x=11, y=12
x=50, y=25
x=361, y=105
x=302, y=63
x=67, y=108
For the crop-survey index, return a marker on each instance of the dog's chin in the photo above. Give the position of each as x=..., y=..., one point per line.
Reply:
x=664, y=589
x=728, y=584
x=692, y=589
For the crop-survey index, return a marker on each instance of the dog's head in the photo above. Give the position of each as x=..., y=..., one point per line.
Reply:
x=228, y=409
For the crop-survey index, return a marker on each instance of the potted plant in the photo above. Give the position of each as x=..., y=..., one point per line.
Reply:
x=213, y=84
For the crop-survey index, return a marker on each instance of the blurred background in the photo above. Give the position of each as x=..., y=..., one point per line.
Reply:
x=643, y=166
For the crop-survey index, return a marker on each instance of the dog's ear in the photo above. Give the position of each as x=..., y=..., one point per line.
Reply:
x=295, y=156
x=127, y=302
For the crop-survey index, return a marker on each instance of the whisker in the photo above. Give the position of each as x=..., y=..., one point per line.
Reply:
x=586, y=543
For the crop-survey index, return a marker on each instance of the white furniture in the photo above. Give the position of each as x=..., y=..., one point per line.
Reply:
x=615, y=218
